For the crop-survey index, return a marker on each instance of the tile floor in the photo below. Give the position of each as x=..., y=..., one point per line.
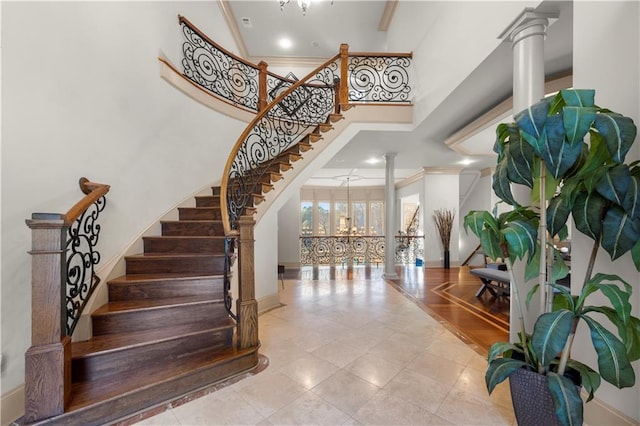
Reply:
x=350, y=353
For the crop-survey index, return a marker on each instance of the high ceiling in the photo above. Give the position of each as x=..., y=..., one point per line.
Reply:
x=317, y=34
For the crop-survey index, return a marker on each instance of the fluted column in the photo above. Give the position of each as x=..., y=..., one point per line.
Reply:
x=389, y=217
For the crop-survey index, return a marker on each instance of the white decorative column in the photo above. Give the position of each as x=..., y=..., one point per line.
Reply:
x=389, y=217
x=527, y=33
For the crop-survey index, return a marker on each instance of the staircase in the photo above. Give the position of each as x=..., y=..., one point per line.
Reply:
x=165, y=330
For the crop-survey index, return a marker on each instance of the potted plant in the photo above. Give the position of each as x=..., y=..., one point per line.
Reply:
x=545, y=149
x=443, y=219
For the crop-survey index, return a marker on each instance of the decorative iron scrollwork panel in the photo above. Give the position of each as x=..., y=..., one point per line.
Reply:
x=379, y=79
x=81, y=259
x=332, y=250
x=218, y=72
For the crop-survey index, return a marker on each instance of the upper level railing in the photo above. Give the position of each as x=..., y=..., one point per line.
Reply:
x=366, y=77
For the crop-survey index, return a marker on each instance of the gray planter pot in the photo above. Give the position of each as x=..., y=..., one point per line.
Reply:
x=532, y=402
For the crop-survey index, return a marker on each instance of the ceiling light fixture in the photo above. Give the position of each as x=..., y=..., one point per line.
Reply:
x=303, y=4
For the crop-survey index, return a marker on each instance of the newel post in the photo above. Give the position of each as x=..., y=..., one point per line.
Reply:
x=246, y=305
x=262, y=85
x=48, y=360
x=344, y=70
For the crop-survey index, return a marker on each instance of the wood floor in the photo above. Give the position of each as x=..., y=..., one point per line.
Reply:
x=449, y=295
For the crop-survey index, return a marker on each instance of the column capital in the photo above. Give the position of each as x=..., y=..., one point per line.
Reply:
x=390, y=155
x=535, y=22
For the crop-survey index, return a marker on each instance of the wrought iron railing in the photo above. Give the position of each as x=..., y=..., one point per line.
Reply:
x=80, y=252
x=218, y=70
x=367, y=77
x=379, y=77
x=292, y=115
x=337, y=249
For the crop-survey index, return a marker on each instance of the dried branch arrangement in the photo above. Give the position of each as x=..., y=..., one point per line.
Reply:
x=444, y=224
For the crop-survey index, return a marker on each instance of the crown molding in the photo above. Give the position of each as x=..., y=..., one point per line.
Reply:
x=230, y=18
x=387, y=15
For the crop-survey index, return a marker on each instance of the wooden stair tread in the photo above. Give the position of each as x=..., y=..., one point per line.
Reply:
x=99, y=345
x=118, y=385
x=192, y=220
x=147, y=304
x=136, y=278
x=170, y=255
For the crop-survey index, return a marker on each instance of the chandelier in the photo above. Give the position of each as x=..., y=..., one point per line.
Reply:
x=304, y=5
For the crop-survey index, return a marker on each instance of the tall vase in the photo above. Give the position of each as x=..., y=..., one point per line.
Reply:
x=447, y=264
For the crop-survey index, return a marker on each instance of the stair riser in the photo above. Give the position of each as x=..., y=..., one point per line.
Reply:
x=128, y=359
x=183, y=245
x=202, y=265
x=208, y=201
x=214, y=288
x=203, y=213
x=150, y=319
x=123, y=406
x=202, y=229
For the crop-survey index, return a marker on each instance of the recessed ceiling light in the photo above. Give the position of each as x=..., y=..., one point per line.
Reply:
x=466, y=161
x=373, y=160
x=285, y=43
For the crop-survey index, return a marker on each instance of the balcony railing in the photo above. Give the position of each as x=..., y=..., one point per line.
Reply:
x=337, y=249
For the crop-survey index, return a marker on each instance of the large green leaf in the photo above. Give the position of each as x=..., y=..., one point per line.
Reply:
x=501, y=184
x=476, y=220
x=532, y=119
x=613, y=364
x=499, y=349
x=587, y=214
x=579, y=97
x=559, y=156
x=614, y=184
x=491, y=243
x=618, y=132
x=503, y=132
x=520, y=161
x=635, y=255
x=499, y=370
x=629, y=332
x=521, y=237
x=550, y=334
x=619, y=232
x=558, y=212
x=577, y=122
x=589, y=377
x=566, y=399
x=631, y=202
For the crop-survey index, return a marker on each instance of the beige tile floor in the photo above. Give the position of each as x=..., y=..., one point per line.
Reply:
x=351, y=353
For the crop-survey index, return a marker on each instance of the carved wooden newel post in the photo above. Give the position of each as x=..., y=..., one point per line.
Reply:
x=247, y=306
x=48, y=360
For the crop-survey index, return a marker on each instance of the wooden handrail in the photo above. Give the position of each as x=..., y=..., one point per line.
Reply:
x=382, y=54
x=94, y=191
x=241, y=140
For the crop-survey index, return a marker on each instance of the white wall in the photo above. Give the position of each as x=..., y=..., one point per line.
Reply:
x=441, y=191
x=606, y=57
x=82, y=96
x=442, y=51
x=478, y=199
x=266, y=260
x=289, y=232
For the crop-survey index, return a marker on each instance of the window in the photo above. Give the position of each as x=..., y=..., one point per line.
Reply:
x=323, y=218
x=306, y=218
x=359, y=219
x=376, y=218
x=340, y=216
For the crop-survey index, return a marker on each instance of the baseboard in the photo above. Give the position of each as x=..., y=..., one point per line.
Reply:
x=12, y=406
x=598, y=413
x=268, y=302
